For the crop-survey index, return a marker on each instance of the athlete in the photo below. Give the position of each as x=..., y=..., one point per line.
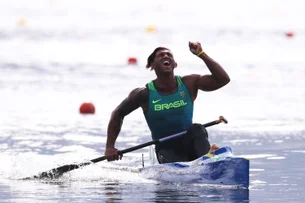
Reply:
x=167, y=103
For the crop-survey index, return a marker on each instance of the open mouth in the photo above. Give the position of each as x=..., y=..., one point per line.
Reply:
x=166, y=63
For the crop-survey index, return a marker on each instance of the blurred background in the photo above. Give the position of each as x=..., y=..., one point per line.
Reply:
x=57, y=54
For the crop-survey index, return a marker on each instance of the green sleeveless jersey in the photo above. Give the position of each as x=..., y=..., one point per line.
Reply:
x=169, y=114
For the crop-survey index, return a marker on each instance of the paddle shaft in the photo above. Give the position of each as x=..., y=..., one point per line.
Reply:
x=153, y=142
x=57, y=172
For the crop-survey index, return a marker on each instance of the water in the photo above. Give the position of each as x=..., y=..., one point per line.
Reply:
x=56, y=55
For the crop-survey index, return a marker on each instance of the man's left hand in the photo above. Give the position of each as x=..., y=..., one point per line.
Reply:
x=195, y=47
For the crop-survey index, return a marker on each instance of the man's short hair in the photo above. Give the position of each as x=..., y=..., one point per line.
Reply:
x=152, y=56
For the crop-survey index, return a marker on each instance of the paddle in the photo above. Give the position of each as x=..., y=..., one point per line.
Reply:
x=57, y=172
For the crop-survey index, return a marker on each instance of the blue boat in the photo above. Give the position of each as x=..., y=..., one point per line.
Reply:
x=219, y=167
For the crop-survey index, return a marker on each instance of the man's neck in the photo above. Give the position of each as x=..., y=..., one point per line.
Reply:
x=166, y=83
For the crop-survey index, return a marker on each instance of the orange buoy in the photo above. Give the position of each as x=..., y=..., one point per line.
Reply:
x=132, y=61
x=151, y=28
x=87, y=108
x=289, y=34
x=21, y=22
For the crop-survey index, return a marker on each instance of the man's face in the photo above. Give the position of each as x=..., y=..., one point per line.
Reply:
x=164, y=61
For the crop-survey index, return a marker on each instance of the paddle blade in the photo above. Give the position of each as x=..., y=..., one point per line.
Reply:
x=56, y=172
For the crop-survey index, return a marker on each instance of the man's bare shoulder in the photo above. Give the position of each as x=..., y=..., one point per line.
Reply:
x=139, y=95
x=136, y=98
x=190, y=79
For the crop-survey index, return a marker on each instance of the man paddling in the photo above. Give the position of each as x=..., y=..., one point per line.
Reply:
x=167, y=104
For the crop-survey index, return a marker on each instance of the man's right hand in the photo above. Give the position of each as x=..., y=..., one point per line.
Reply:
x=112, y=154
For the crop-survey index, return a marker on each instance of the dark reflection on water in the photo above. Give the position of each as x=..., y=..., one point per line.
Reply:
x=190, y=193
x=113, y=192
x=167, y=192
x=120, y=191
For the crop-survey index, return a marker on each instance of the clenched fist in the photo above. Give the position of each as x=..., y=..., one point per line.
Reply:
x=195, y=47
x=112, y=154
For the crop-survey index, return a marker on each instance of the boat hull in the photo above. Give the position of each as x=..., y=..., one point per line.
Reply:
x=220, y=167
